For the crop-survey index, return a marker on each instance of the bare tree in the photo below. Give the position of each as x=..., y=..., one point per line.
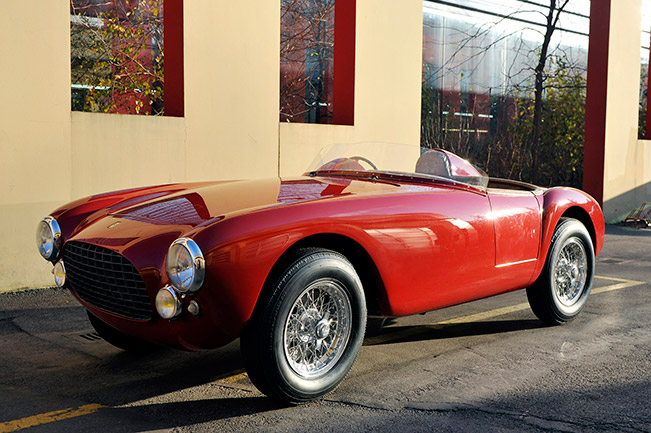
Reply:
x=510, y=119
x=306, y=60
x=553, y=15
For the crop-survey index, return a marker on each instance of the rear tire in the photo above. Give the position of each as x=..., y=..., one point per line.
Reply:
x=561, y=291
x=305, y=335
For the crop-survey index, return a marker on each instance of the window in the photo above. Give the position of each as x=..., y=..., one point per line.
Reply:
x=312, y=51
x=478, y=93
x=644, y=127
x=117, y=52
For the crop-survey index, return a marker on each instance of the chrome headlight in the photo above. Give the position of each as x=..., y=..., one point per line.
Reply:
x=168, y=303
x=48, y=238
x=59, y=272
x=185, y=265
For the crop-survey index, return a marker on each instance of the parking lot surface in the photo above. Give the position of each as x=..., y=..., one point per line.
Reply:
x=484, y=366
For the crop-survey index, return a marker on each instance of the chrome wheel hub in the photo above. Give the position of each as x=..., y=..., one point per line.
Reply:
x=306, y=324
x=570, y=272
x=323, y=329
x=317, y=329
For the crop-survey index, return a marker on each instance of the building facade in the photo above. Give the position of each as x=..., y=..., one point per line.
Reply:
x=228, y=125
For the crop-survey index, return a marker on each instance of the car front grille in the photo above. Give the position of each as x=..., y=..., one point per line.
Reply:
x=106, y=280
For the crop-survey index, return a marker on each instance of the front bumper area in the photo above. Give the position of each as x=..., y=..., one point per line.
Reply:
x=108, y=285
x=187, y=332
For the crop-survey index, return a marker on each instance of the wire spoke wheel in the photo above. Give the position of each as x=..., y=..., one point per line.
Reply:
x=570, y=272
x=562, y=288
x=304, y=337
x=318, y=328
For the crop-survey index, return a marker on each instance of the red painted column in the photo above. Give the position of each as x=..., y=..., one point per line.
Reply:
x=647, y=131
x=596, y=93
x=344, y=63
x=173, y=57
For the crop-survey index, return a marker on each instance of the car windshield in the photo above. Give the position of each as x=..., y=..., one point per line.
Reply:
x=396, y=160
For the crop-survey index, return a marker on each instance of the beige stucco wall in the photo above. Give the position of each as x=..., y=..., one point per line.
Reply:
x=388, y=59
x=113, y=151
x=627, y=160
x=51, y=156
x=232, y=58
x=230, y=129
x=35, y=166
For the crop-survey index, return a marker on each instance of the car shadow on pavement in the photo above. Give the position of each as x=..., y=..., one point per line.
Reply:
x=184, y=413
x=55, y=349
x=130, y=377
x=402, y=334
x=173, y=415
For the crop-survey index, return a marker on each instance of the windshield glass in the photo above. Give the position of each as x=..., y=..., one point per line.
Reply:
x=390, y=159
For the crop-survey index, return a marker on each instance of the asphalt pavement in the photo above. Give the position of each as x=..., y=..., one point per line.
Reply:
x=484, y=366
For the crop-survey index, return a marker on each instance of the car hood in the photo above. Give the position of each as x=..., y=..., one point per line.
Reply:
x=142, y=228
x=209, y=202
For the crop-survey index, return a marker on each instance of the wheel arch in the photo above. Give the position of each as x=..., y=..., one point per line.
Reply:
x=562, y=202
x=578, y=213
x=569, y=202
x=356, y=254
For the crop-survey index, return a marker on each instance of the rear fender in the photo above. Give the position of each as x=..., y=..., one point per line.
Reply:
x=569, y=202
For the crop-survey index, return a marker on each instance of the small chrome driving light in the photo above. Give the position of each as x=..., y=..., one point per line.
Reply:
x=48, y=238
x=59, y=272
x=185, y=265
x=168, y=303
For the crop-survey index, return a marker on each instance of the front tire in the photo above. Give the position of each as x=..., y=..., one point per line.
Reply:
x=304, y=337
x=561, y=291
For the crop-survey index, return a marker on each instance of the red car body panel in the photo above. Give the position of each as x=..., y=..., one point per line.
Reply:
x=557, y=202
x=433, y=243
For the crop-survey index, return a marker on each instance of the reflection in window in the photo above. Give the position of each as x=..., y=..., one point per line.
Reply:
x=116, y=54
x=644, y=90
x=478, y=87
x=306, y=60
x=644, y=130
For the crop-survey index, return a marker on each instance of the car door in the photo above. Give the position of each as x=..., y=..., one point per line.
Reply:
x=517, y=224
x=438, y=249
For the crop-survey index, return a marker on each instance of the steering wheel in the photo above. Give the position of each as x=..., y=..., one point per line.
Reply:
x=361, y=158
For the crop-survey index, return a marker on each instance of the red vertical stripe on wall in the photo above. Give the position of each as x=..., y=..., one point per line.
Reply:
x=647, y=131
x=595, y=109
x=344, y=63
x=173, y=60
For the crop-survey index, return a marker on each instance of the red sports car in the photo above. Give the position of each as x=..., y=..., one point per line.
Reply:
x=293, y=266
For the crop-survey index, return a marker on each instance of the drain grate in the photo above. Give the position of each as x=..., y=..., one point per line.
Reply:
x=90, y=336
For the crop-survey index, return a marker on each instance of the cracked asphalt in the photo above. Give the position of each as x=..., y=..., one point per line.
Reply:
x=477, y=367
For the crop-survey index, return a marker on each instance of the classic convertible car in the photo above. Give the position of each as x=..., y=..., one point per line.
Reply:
x=293, y=266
